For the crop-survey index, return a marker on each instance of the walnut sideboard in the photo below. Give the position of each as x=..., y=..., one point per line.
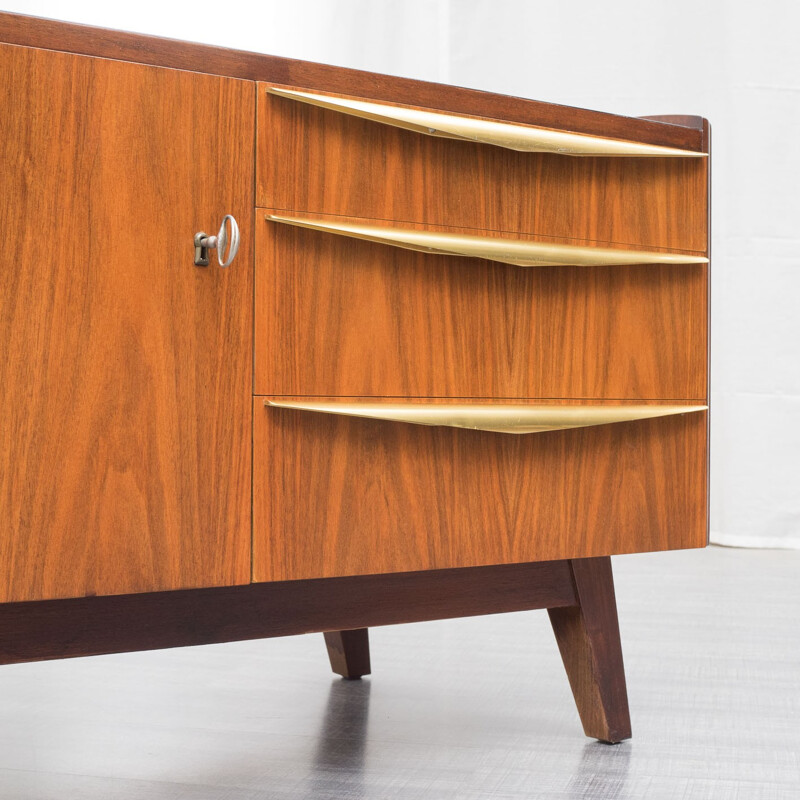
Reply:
x=459, y=360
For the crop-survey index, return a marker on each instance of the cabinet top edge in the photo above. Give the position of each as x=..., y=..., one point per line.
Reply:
x=16, y=29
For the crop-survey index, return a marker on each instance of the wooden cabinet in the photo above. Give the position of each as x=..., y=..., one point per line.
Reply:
x=126, y=374
x=343, y=428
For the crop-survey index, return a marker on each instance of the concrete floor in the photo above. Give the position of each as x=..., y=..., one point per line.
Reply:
x=457, y=709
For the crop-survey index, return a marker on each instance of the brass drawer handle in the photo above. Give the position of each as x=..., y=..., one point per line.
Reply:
x=519, y=252
x=495, y=417
x=511, y=136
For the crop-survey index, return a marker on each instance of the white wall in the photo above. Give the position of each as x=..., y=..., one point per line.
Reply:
x=402, y=38
x=736, y=63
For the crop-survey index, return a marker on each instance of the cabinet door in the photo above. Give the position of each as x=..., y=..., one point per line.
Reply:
x=126, y=371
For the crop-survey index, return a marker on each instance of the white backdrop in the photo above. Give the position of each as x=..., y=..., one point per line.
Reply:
x=736, y=63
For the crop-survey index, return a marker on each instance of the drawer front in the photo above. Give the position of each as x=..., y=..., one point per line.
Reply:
x=337, y=316
x=319, y=160
x=338, y=495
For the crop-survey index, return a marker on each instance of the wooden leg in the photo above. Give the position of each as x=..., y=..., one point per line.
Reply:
x=588, y=638
x=349, y=652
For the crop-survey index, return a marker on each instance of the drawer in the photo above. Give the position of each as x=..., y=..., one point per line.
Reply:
x=340, y=316
x=324, y=161
x=340, y=495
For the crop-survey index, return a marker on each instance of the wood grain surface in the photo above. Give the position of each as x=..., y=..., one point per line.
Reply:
x=56, y=35
x=318, y=160
x=589, y=641
x=126, y=375
x=339, y=495
x=95, y=625
x=338, y=316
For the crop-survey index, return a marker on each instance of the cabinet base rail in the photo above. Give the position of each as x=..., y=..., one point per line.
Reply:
x=578, y=593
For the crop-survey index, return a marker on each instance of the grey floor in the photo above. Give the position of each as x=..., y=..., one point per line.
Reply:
x=458, y=709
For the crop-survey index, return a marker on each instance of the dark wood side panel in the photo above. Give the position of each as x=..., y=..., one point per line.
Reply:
x=340, y=316
x=96, y=625
x=54, y=35
x=340, y=496
x=126, y=371
x=318, y=160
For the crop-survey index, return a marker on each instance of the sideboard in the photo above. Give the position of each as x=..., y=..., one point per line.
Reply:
x=456, y=357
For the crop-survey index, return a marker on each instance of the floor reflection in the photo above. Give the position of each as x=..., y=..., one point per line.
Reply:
x=601, y=773
x=339, y=758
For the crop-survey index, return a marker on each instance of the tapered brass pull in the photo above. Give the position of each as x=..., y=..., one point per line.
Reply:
x=511, y=136
x=519, y=252
x=495, y=417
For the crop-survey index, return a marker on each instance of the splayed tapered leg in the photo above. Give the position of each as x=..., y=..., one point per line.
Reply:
x=589, y=641
x=348, y=652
